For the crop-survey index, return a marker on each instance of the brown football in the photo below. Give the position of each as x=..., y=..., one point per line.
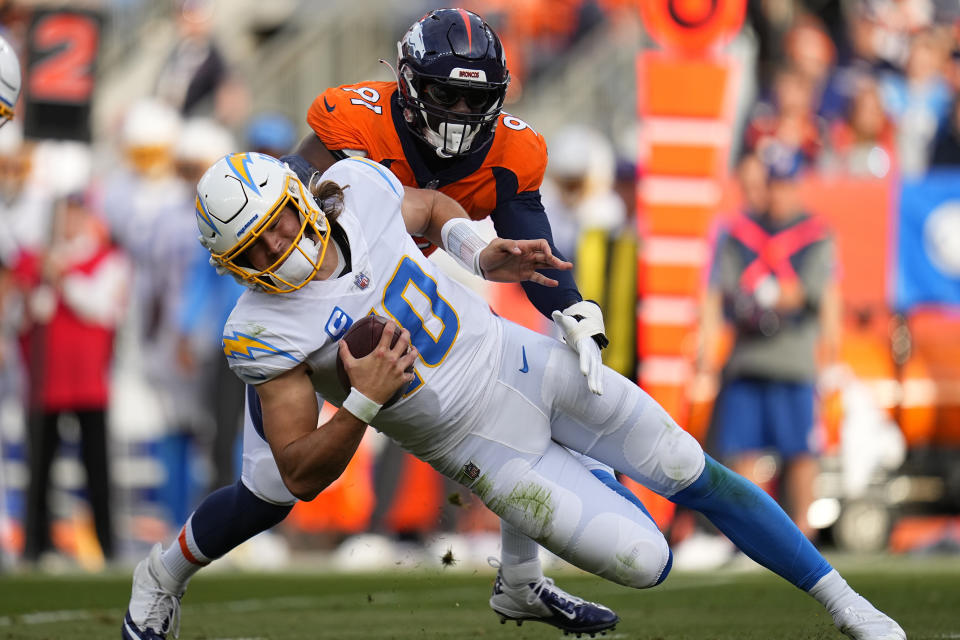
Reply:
x=362, y=337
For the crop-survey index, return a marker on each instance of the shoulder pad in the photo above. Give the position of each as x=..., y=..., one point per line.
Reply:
x=345, y=117
x=519, y=148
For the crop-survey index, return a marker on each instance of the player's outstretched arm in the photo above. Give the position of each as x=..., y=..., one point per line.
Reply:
x=444, y=222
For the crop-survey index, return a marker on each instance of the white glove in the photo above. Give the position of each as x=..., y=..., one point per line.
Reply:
x=582, y=327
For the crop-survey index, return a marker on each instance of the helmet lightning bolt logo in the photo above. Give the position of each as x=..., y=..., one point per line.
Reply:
x=204, y=215
x=240, y=165
x=242, y=346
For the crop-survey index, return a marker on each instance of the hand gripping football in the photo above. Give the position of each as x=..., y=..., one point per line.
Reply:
x=362, y=338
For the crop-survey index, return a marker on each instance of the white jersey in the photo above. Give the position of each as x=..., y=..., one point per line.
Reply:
x=454, y=330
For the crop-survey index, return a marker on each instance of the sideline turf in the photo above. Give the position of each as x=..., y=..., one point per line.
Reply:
x=922, y=594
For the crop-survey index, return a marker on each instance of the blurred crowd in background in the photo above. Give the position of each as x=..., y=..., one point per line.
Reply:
x=113, y=387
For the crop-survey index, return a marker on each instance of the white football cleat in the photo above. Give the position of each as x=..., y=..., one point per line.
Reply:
x=863, y=621
x=154, y=608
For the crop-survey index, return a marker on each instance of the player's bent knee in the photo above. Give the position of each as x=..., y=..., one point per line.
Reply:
x=666, y=569
x=652, y=570
x=681, y=457
x=624, y=551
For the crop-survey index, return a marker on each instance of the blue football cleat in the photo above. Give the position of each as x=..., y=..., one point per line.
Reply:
x=154, y=609
x=542, y=601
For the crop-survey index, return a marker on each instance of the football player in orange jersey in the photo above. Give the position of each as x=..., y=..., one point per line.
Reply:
x=440, y=126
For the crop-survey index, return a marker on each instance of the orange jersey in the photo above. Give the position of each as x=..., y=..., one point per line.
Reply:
x=366, y=117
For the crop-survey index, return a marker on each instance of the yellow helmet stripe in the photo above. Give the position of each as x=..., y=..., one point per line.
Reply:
x=204, y=215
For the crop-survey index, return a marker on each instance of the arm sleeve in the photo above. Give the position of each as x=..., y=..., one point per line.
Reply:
x=523, y=218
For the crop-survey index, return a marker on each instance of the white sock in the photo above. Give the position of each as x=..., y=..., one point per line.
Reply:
x=517, y=575
x=516, y=547
x=183, y=558
x=833, y=592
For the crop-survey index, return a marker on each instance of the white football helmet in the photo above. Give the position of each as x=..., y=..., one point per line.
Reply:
x=238, y=198
x=9, y=81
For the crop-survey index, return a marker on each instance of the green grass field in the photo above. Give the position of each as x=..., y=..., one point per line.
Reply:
x=922, y=594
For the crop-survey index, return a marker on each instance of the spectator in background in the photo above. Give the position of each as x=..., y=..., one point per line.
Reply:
x=810, y=51
x=587, y=196
x=578, y=193
x=271, y=133
x=588, y=217
x=770, y=275
x=755, y=197
x=862, y=144
x=946, y=148
x=918, y=101
x=195, y=69
x=196, y=79
x=620, y=309
x=144, y=204
x=205, y=301
x=75, y=290
x=789, y=121
x=866, y=50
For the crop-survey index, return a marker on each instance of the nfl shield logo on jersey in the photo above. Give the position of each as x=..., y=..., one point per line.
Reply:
x=362, y=281
x=471, y=470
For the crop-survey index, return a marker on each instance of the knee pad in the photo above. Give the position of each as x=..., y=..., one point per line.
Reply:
x=680, y=457
x=620, y=549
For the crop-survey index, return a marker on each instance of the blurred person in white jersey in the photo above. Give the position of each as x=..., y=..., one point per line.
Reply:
x=11, y=366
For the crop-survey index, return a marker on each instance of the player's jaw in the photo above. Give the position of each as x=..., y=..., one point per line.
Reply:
x=287, y=251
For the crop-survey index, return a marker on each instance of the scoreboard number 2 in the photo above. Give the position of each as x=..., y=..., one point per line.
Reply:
x=67, y=44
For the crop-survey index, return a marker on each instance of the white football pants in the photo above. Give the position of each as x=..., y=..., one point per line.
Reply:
x=517, y=464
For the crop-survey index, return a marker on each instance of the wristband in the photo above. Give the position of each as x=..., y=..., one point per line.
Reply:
x=463, y=244
x=362, y=407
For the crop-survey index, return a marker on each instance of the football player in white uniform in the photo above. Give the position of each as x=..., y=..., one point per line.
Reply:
x=314, y=269
x=10, y=81
x=440, y=125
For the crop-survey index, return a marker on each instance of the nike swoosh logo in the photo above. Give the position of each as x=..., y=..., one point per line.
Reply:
x=525, y=368
x=327, y=105
x=571, y=615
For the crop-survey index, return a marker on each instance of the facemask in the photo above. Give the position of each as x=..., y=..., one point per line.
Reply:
x=449, y=137
x=299, y=265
